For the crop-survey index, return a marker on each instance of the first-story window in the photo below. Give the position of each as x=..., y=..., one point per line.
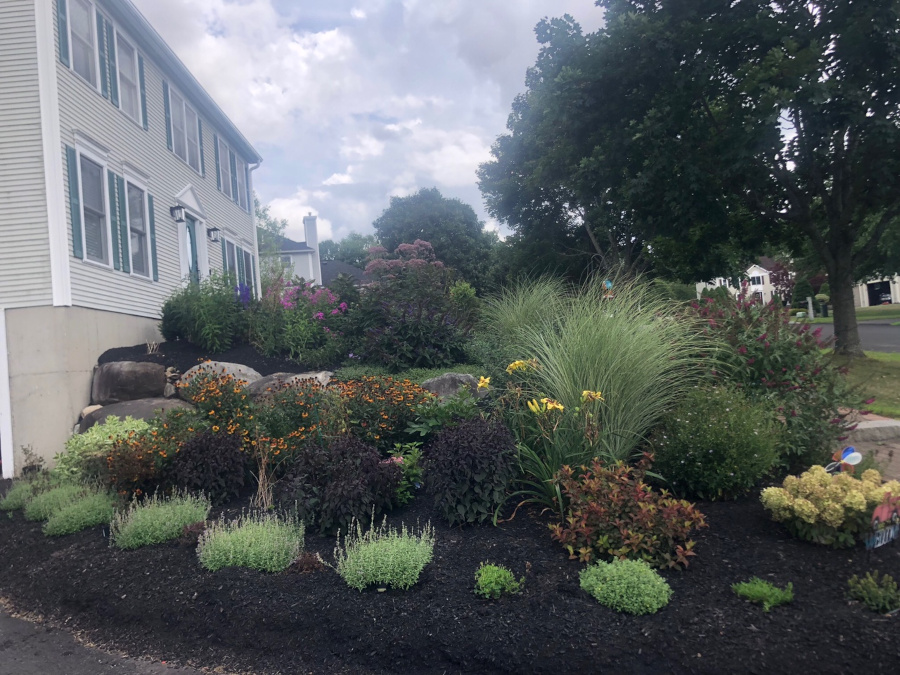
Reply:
x=96, y=230
x=231, y=259
x=248, y=269
x=137, y=226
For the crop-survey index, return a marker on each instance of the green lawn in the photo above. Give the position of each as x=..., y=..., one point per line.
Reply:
x=883, y=312
x=878, y=376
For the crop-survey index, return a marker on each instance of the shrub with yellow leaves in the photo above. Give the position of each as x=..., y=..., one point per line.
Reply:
x=828, y=509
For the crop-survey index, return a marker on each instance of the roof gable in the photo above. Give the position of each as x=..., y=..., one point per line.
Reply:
x=190, y=200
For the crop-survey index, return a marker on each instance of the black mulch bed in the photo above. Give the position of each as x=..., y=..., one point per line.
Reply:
x=158, y=601
x=184, y=356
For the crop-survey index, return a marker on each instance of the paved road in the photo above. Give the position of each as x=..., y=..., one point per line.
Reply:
x=876, y=336
x=32, y=649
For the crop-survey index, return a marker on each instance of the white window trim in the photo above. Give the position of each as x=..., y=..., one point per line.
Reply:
x=196, y=130
x=131, y=179
x=137, y=75
x=103, y=162
x=97, y=86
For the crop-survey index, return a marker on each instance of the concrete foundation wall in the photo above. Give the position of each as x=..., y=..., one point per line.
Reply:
x=52, y=352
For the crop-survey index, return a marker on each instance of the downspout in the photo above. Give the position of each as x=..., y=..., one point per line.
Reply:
x=258, y=278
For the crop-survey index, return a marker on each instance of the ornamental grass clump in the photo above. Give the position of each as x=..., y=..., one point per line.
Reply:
x=268, y=543
x=383, y=556
x=46, y=504
x=828, y=509
x=156, y=519
x=92, y=509
x=763, y=593
x=629, y=586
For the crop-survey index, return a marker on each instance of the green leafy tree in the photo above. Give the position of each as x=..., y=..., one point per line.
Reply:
x=710, y=129
x=352, y=249
x=449, y=225
x=270, y=232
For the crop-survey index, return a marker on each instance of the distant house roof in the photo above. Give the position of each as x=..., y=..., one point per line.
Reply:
x=766, y=263
x=291, y=246
x=332, y=268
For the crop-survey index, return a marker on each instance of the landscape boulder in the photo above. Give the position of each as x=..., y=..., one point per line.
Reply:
x=449, y=384
x=236, y=370
x=323, y=377
x=127, y=381
x=268, y=383
x=142, y=409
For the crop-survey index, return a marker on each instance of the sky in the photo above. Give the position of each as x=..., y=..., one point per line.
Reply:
x=351, y=102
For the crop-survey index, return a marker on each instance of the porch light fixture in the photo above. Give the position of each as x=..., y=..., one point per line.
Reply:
x=177, y=213
x=212, y=233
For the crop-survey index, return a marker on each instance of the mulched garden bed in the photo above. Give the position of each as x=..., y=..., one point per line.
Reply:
x=158, y=601
x=184, y=356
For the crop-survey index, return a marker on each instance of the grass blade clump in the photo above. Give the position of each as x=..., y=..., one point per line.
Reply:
x=267, y=543
x=157, y=519
x=44, y=505
x=383, y=556
x=762, y=592
x=94, y=508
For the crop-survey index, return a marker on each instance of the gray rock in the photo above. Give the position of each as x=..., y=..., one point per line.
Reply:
x=271, y=382
x=87, y=411
x=449, y=384
x=236, y=370
x=143, y=409
x=323, y=377
x=170, y=391
x=127, y=381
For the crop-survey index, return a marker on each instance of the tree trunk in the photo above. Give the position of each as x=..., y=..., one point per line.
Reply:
x=840, y=280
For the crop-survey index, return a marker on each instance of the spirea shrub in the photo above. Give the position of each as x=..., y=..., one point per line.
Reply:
x=612, y=513
x=630, y=586
x=835, y=510
x=469, y=469
x=345, y=480
x=211, y=463
x=85, y=452
x=715, y=445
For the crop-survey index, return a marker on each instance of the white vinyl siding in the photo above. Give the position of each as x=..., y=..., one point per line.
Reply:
x=167, y=176
x=138, y=230
x=129, y=87
x=24, y=238
x=82, y=36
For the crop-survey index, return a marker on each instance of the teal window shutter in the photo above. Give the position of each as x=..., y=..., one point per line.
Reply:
x=62, y=26
x=74, y=202
x=114, y=215
x=224, y=255
x=123, y=226
x=152, y=238
x=104, y=55
x=143, y=85
x=218, y=171
x=200, y=135
x=168, y=107
x=234, y=190
x=252, y=274
x=239, y=254
x=111, y=65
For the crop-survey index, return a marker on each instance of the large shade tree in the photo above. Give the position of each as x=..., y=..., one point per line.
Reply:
x=710, y=128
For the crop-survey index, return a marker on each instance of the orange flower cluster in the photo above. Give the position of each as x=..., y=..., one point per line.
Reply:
x=381, y=408
x=222, y=402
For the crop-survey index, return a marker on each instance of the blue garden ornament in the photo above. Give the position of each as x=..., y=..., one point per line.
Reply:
x=844, y=460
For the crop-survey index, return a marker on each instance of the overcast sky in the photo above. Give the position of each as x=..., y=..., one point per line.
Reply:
x=353, y=101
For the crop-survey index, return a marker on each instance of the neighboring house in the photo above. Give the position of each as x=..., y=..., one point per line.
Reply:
x=332, y=269
x=103, y=133
x=301, y=259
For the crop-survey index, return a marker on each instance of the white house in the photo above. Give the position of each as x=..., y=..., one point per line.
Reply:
x=120, y=179
x=302, y=259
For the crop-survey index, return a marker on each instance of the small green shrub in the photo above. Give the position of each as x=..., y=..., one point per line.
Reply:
x=492, y=581
x=156, y=520
x=880, y=596
x=435, y=415
x=94, y=508
x=409, y=457
x=469, y=469
x=383, y=556
x=21, y=492
x=85, y=450
x=46, y=504
x=211, y=463
x=267, y=543
x=629, y=586
x=762, y=592
x=208, y=314
x=716, y=445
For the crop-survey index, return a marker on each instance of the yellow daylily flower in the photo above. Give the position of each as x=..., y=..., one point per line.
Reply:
x=484, y=382
x=588, y=395
x=552, y=405
x=516, y=365
x=535, y=407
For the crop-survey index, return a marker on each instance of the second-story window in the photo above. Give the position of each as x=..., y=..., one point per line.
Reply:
x=241, y=172
x=185, y=130
x=128, y=79
x=225, y=168
x=84, y=58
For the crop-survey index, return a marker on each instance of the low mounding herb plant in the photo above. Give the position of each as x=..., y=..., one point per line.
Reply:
x=21, y=492
x=211, y=463
x=880, y=596
x=835, y=510
x=612, y=512
x=630, y=586
x=762, y=592
x=86, y=452
x=267, y=543
x=156, y=520
x=46, y=504
x=94, y=508
x=492, y=581
x=383, y=556
x=715, y=445
x=469, y=469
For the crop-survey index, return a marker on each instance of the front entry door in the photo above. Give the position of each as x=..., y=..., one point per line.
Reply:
x=190, y=226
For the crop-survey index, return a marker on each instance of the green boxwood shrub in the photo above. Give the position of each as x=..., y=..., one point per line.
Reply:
x=94, y=508
x=716, y=444
x=83, y=451
x=492, y=581
x=629, y=586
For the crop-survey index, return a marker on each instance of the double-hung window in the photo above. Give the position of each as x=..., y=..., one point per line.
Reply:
x=185, y=131
x=231, y=258
x=84, y=56
x=129, y=88
x=225, y=169
x=137, y=227
x=96, y=226
x=241, y=171
x=233, y=176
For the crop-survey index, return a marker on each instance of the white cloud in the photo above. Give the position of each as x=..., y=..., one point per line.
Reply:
x=294, y=209
x=339, y=179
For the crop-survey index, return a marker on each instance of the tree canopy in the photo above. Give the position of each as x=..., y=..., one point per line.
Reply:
x=689, y=134
x=352, y=249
